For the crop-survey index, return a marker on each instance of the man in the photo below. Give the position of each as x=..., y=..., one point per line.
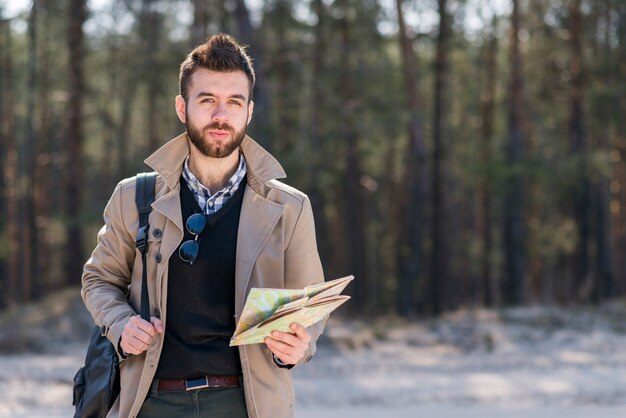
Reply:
x=221, y=224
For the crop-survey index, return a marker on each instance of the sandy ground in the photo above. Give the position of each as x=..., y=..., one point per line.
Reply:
x=480, y=411
x=532, y=362
x=39, y=386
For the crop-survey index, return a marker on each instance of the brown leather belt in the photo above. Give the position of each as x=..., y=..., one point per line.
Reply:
x=198, y=383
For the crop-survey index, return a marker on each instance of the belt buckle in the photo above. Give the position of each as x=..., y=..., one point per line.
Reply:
x=197, y=383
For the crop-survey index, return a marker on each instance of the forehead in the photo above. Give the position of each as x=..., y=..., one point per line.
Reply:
x=218, y=83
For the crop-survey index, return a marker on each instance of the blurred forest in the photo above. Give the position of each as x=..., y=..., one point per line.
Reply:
x=456, y=152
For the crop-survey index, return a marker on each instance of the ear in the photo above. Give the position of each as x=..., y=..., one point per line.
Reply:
x=181, y=110
x=250, y=112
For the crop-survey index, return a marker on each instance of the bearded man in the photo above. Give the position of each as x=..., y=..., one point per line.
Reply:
x=221, y=224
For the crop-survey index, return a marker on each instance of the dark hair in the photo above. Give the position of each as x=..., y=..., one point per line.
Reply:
x=219, y=53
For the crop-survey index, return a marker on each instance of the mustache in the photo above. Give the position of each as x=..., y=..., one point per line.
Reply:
x=220, y=126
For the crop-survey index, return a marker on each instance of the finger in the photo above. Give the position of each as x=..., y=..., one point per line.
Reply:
x=289, y=339
x=138, y=344
x=281, y=346
x=133, y=331
x=136, y=325
x=134, y=339
x=141, y=336
x=130, y=348
x=293, y=353
x=157, y=324
x=278, y=335
x=282, y=356
x=145, y=326
x=301, y=332
x=124, y=344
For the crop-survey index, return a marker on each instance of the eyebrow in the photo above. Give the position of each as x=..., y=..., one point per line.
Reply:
x=232, y=96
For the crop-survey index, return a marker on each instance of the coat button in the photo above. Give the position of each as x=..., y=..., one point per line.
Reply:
x=157, y=258
x=156, y=233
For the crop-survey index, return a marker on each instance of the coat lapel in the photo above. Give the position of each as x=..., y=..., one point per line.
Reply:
x=258, y=219
x=169, y=206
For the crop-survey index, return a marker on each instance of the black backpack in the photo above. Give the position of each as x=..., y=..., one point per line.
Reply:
x=97, y=383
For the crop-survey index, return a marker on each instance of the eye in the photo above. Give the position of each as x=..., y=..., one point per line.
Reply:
x=235, y=102
x=207, y=100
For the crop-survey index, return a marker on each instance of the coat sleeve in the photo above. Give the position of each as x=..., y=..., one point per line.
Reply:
x=303, y=266
x=107, y=273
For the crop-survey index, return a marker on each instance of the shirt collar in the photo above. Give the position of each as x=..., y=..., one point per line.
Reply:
x=231, y=186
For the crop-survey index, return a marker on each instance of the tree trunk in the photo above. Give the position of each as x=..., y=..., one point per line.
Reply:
x=123, y=127
x=616, y=73
x=439, y=244
x=601, y=189
x=489, y=289
x=582, y=280
x=354, y=217
x=247, y=35
x=3, y=140
x=107, y=112
x=316, y=193
x=515, y=254
x=604, y=271
x=151, y=24
x=3, y=148
x=28, y=224
x=75, y=172
x=7, y=116
x=41, y=208
x=283, y=76
x=209, y=17
x=410, y=200
x=199, y=26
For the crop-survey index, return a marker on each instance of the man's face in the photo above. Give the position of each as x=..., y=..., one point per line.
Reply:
x=216, y=112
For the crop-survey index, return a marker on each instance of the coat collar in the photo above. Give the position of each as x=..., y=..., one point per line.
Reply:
x=262, y=166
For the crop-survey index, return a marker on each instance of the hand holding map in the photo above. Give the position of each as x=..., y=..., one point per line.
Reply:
x=267, y=310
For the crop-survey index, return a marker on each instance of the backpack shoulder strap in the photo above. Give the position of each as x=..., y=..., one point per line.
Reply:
x=144, y=196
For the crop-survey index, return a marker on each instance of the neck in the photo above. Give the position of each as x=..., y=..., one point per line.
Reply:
x=213, y=173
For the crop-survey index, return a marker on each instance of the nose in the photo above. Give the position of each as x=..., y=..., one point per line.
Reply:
x=220, y=114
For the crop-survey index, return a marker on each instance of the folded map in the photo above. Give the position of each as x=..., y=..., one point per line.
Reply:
x=268, y=310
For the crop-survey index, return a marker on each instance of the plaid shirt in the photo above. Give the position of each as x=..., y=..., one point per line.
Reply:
x=212, y=203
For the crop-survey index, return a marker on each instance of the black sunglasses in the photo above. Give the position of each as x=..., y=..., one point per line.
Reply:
x=188, y=251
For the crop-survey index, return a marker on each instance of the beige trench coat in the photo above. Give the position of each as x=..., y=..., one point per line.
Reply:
x=276, y=248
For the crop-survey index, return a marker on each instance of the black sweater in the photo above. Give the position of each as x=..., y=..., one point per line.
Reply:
x=201, y=298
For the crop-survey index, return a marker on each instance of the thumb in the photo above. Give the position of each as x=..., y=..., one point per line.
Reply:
x=157, y=324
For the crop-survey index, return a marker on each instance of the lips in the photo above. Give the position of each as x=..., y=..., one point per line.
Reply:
x=220, y=131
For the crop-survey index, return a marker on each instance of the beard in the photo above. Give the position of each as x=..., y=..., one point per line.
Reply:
x=215, y=150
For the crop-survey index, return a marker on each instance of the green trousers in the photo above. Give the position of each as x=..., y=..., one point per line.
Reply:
x=226, y=402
